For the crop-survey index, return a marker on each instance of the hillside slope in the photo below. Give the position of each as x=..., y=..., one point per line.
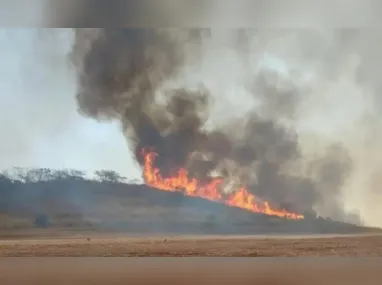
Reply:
x=138, y=208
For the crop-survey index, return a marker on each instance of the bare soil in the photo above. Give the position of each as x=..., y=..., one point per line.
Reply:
x=187, y=271
x=50, y=270
x=50, y=244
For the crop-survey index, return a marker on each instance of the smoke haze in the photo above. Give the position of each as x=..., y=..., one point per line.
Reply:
x=207, y=102
x=294, y=115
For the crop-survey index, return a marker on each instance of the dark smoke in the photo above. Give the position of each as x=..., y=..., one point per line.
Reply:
x=121, y=73
x=121, y=76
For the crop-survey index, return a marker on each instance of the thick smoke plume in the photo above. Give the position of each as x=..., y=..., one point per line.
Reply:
x=137, y=76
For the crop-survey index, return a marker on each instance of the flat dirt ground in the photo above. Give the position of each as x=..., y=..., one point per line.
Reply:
x=52, y=244
x=187, y=271
x=88, y=270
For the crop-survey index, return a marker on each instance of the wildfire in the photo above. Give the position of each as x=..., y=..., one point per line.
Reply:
x=240, y=198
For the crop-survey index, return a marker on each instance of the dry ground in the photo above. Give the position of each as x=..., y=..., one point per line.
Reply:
x=189, y=271
x=112, y=271
x=104, y=245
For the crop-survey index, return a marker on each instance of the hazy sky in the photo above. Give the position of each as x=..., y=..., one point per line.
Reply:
x=40, y=125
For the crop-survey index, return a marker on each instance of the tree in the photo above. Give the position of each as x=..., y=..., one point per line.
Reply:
x=109, y=176
x=38, y=175
x=5, y=182
x=76, y=174
x=60, y=174
x=4, y=178
x=19, y=174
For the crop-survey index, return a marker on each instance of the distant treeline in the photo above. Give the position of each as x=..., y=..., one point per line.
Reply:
x=43, y=196
x=34, y=175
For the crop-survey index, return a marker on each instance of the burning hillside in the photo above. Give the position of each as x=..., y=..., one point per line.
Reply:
x=72, y=201
x=253, y=161
x=181, y=182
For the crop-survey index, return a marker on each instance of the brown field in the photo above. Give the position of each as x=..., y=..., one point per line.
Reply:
x=187, y=271
x=50, y=270
x=83, y=244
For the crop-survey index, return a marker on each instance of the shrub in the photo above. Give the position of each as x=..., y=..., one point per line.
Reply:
x=42, y=221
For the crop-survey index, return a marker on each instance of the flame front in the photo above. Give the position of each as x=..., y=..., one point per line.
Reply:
x=240, y=198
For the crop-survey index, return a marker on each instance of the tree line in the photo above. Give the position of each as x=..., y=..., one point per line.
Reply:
x=21, y=189
x=34, y=175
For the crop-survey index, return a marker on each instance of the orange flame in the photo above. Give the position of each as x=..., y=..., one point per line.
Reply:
x=240, y=198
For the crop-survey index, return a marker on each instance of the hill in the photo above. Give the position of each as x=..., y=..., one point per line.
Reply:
x=78, y=203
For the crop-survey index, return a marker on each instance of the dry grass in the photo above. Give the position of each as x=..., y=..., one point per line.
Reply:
x=93, y=245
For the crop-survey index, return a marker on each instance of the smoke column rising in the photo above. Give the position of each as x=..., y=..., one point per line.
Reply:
x=292, y=114
x=204, y=100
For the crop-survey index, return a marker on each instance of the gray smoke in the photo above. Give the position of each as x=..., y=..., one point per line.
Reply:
x=136, y=76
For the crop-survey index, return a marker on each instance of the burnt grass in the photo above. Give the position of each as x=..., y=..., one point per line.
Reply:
x=120, y=207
